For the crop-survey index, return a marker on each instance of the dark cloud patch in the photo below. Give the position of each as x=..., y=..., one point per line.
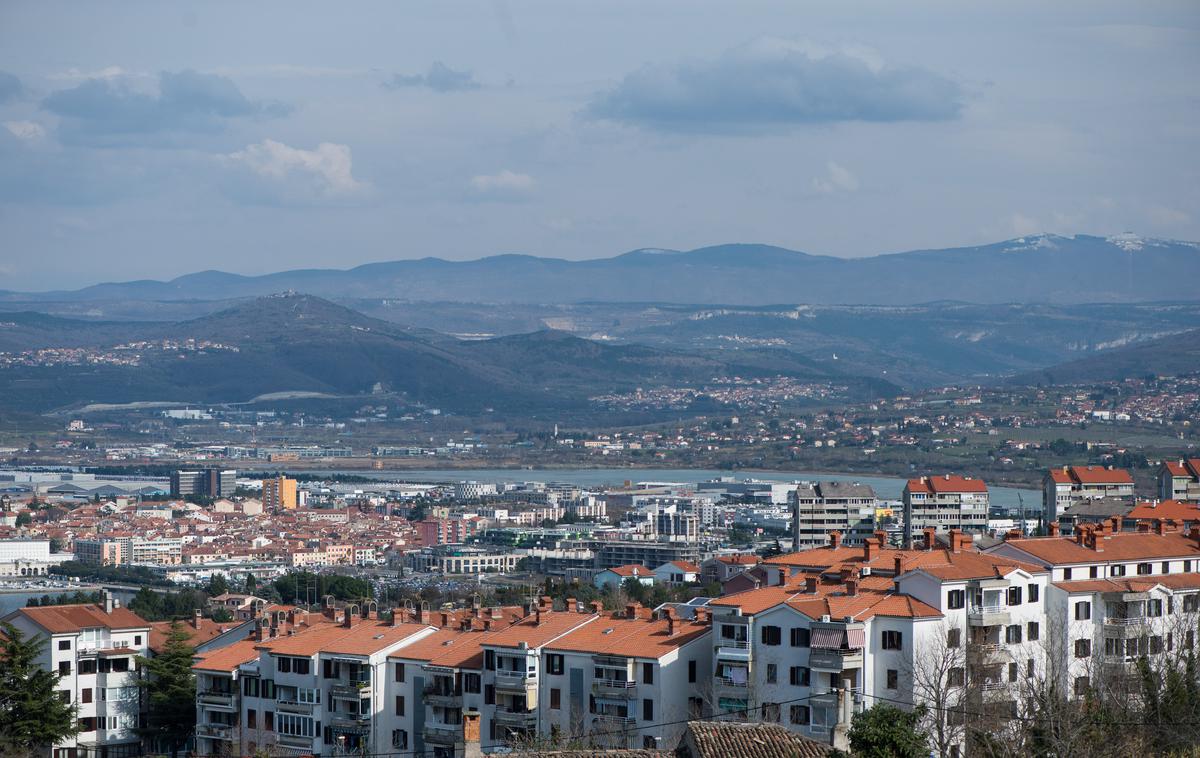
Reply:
x=776, y=85
x=439, y=78
x=101, y=110
x=10, y=87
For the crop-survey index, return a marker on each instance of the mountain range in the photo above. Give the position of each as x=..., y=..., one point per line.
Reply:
x=304, y=346
x=1036, y=269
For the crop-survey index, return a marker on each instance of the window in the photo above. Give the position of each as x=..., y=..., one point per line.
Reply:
x=554, y=663
x=1144, y=568
x=1030, y=668
x=400, y=739
x=87, y=666
x=297, y=726
x=1032, y=631
x=283, y=665
x=471, y=683
x=64, y=696
x=1154, y=607
x=800, y=637
x=489, y=660
x=269, y=720
x=1081, y=686
x=399, y=705
x=799, y=714
x=893, y=640
x=1083, y=611
x=956, y=599
x=1156, y=645
x=771, y=635
x=85, y=695
x=953, y=637
x=1067, y=574
x=1190, y=603
x=772, y=673
x=300, y=665
x=555, y=698
x=799, y=676
x=1083, y=648
x=1187, y=567
x=956, y=677
x=1012, y=634
x=1014, y=595
x=251, y=718
x=64, y=668
x=1118, y=570
x=893, y=679
x=1014, y=671
x=691, y=672
x=308, y=695
x=398, y=676
x=120, y=664
x=489, y=694
x=647, y=709
x=1034, y=593
x=648, y=673
x=1166, y=567
x=770, y=713
x=64, y=644
x=137, y=640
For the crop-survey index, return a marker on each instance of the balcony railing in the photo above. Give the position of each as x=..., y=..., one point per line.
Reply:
x=351, y=691
x=514, y=680
x=614, y=687
x=442, y=733
x=725, y=681
x=1127, y=620
x=515, y=718
x=607, y=718
x=989, y=608
x=214, y=731
x=734, y=644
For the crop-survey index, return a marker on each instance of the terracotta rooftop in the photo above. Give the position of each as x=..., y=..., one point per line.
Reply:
x=228, y=658
x=1189, y=581
x=631, y=570
x=365, y=637
x=1121, y=546
x=1165, y=509
x=721, y=739
x=537, y=633
x=633, y=638
x=453, y=648
x=946, y=483
x=61, y=619
x=197, y=630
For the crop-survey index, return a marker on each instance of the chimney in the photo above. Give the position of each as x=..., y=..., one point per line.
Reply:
x=1194, y=534
x=258, y=634
x=596, y=606
x=898, y=566
x=487, y=624
x=851, y=587
x=1052, y=528
x=545, y=602
x=1013, y=534
x=810, y=585
x=108, y=602
x=1143, y=526
x=669, y=613
x=196, y=616
x=445, y=620
x=1160, y=526
x=494, y=612
x=423, y=612
x=572, y=605
x=881, y=536
x=835, y=539
x=1116, y=524
x=930, y=537
x=701, y=615
x=631, y=610
x=955, y=545
x=537, y=615
x=870, y=550
x=470, y=735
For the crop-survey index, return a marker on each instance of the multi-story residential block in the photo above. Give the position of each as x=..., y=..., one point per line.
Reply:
x=279, y=494
x=1179, y=480
x=944, y=502
x=459, y=559
x=820, y=508
x=100, y=552
x=95, y=649
x=621, y=680
x=211, y=482
x=612, y=553
x=447, y=531
x=1064, y=487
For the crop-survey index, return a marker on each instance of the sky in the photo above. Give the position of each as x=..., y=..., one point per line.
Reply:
x=149, y=140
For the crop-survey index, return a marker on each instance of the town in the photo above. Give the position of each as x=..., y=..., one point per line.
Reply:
x=441, y=618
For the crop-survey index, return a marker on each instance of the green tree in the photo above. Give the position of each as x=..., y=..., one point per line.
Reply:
x=170, y=690
x=24, y=519
x=251, y=584
x=31, y=714
x=884, y=731
x=217, y=585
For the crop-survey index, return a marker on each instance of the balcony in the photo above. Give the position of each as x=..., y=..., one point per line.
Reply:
x=294, y=740
x=440, y=696
x=350, y=724
x=351, y=691
x=443, y=734
x=215, y=731
x=734, y=649
x=827, y=699
x=614, y=720
x=293, y=706
x=216, y=699
x=988, y=615
x=724, y=681
x=514, y=681
x=834, y=660
x=614, y=688
x=519, y=719
x=1126, y=626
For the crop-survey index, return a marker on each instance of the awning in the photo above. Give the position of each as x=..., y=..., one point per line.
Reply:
x=830, y=639
x=856, y=639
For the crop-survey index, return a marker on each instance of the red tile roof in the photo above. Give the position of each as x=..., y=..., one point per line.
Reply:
x=635, y=638
x=1165, y=509
x=1122, y=546
x=61, y=619
x=1099, y=475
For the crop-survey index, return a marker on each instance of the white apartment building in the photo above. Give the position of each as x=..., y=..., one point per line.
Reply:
x=1179, y=480
x=1064, y=487
x=820, y=508
x=94, y=648
x=944, y=502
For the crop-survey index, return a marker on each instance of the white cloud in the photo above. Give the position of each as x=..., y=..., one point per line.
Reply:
x=504, y=183
x=838, y=179
x=329, y=165
x=26, y=130
x=108, y=72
